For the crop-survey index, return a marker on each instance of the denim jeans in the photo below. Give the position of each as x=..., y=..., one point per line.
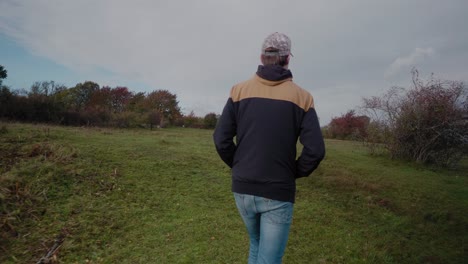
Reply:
x=268, y=222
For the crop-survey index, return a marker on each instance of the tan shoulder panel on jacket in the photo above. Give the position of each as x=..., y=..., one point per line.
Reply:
x=285, y=90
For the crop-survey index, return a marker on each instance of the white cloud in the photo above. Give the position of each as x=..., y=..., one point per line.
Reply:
x=405, y=63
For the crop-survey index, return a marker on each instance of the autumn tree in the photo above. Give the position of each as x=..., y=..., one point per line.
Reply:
x=164, y=102
x=100, y=99
x=89, y=104
x=81, y=94
x=119, y=98
x=348, y=126
x=137, y=103
x=117, y=102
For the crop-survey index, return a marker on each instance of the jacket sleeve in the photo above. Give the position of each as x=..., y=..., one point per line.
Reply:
x=225, y=132
x=314, y=148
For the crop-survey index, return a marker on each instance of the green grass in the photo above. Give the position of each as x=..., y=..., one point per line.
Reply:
x=163, y=196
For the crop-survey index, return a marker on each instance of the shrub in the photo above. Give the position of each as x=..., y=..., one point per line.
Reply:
x=426, y=123
x=127, y=119
x=376, y=135
x=210, y=121
x=193, y=121
x=348, y=126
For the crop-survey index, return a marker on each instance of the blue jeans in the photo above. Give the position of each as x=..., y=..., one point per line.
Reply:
x=268, y=222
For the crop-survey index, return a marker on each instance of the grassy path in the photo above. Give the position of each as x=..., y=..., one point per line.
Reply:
x=135, y=196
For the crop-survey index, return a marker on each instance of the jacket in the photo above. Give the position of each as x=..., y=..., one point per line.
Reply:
x=266, y=115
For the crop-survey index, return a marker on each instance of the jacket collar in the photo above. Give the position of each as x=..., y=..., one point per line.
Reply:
x=273, y=73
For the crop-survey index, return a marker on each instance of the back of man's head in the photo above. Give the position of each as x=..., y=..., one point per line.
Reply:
x=276, y=50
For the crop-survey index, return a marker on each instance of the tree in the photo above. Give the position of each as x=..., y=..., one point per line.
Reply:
x=43, y=101
x=81, y=94
x=348, y=126
x=137, y=103
x=426, y=123
x=46, y=88
x=165, y=103
x=100, y=99
x=191, y=120
x=154, y=119
x=6, y=102
x=120, y=97
x=3, y=74
x=210, y=120
x=129, y=110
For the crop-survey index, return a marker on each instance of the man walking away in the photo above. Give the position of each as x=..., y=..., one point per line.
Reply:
x=267, y=114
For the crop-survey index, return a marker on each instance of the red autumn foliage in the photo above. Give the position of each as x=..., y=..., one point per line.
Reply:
x=348, y=126
x=120, y=96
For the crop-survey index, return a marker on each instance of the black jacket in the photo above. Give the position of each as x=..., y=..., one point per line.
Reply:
x=266, y=115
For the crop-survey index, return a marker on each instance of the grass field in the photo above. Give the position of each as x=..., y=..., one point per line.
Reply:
x=163, y=196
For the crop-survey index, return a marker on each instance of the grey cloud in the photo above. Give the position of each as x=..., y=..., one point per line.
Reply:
x=409, y=61
x=199, y=49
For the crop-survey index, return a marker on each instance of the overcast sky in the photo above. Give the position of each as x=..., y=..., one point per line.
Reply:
x=343, y=50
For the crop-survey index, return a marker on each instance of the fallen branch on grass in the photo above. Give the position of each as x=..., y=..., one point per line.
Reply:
x=51, y=253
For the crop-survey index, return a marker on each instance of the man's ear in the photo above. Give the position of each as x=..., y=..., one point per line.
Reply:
x=261, y=58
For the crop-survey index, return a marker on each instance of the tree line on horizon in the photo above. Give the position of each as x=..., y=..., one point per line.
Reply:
x=89, y=104
x=426, y=123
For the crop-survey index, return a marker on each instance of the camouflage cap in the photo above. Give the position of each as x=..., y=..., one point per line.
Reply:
x=279, y=42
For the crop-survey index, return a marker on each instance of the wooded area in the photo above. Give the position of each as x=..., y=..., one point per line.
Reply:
x=90, y=104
